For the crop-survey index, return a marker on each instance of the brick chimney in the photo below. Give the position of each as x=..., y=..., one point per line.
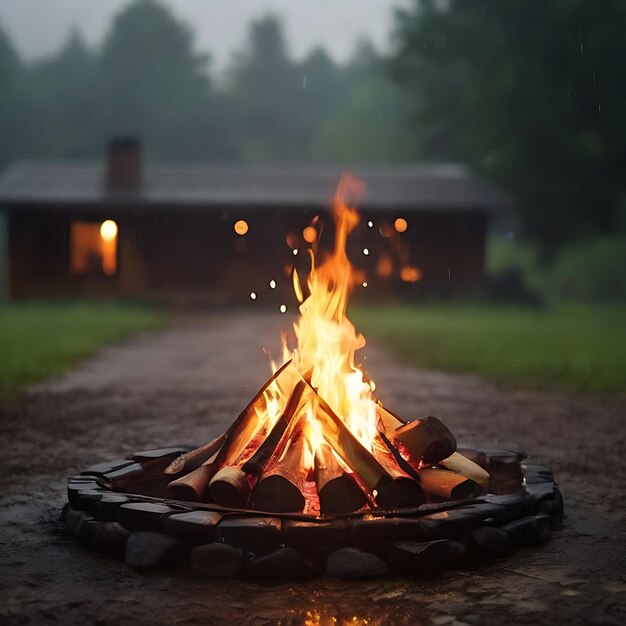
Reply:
x=124, y=169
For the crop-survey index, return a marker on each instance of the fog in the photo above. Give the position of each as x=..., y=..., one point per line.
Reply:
x=37, y=27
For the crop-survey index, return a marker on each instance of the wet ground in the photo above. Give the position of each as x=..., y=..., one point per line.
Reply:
x=185, y=384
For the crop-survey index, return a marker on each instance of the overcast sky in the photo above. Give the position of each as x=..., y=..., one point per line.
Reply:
x=37, y=27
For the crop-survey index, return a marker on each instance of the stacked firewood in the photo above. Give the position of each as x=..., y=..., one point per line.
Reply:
x=277, y=469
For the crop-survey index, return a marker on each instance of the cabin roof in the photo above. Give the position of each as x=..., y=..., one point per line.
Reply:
x=393, y=187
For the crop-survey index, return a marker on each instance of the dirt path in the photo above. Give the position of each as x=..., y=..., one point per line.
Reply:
x=186, y=384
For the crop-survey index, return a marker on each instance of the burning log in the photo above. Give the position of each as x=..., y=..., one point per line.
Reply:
x=388, y=421
x=191, y=487
x=243, y=429
x=270, y=445
x=281, y=487
x=443, y=485
x=462, y=465
x=338, y=492
x=230, y=487
x=427, y=440
x=368, y=471
x=195, y=458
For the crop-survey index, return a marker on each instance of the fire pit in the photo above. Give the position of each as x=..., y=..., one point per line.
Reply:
x=315, y=474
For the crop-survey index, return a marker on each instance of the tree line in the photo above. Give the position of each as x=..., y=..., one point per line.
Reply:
x=531, y=94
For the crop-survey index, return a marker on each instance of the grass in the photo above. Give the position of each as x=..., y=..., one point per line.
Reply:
x=41, y=339
x=576, y=348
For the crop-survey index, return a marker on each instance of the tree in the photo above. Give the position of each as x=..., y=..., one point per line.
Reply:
x=60, y=93
x=266, y=93
x=151, y=83
x=13, y=120
x=530, y=93
x=368, y=119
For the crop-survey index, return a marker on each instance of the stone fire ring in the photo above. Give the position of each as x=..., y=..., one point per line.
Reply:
x=146, y=530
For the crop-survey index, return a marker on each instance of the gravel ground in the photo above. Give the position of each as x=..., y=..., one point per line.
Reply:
x=185, y=384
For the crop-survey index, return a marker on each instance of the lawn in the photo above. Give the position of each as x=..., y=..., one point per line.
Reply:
x=40, y=339
x=575, y=348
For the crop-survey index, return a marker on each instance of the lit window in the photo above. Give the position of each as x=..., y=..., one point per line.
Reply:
x=241, y=227
x=93, y=248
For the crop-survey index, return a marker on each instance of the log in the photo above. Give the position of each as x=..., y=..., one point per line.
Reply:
x=388, y=421
x=338, y=492
x=244, y=428
x=462, y=465
x=270, y=446
x=426, y=440
x=372, y=477
x=195, y=458
x=280, y=489
x=191, y=487
x=443, y=485
x=230, y=487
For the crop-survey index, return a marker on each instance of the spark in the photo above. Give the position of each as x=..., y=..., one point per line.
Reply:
x=252, y=295
x=295, y=251
x=272, y=284
x=370, y=223
x=283, y=308
x=365, y=284
x=366, y=251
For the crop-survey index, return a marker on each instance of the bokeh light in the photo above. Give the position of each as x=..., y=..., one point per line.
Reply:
x=401, y=225
x=241, y=227
x=309, y=234
x=410, y=274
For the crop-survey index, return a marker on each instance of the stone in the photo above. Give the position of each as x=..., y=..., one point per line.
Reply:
x=489, y=542
x=86, y=499
x=159, y=453
x=151, y=549
x=537, y=474
x=100, y=469
x=373, y=531
x=424, y=559
x=553, y=506
x=74, y=487
x=518, y=505
x=256, y=534
x=106, y=509
x=451, y=524
x=541, y=491
x=316, y=537
x=355, y=564
x=194, y=527
x=123, y=474
x=284, y=563
x=530, y=531
x=113, y=539
x=75, y=519
x=216, y=559
x=144, y=515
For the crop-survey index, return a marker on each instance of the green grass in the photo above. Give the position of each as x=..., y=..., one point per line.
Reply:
x=577, y=348
x=41, y=339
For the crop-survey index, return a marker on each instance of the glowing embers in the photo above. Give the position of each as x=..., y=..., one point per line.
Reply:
x=93, y=248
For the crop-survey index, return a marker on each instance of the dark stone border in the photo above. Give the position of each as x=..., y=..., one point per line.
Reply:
x=148, y=531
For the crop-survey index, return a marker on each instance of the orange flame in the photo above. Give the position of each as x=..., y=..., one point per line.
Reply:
x=326, y=340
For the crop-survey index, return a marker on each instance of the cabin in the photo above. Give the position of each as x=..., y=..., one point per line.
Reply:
x=192, y=233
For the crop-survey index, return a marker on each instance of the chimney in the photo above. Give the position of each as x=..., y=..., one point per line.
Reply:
x=124, y=164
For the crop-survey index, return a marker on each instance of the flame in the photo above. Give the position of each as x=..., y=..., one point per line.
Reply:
x=326, y=340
